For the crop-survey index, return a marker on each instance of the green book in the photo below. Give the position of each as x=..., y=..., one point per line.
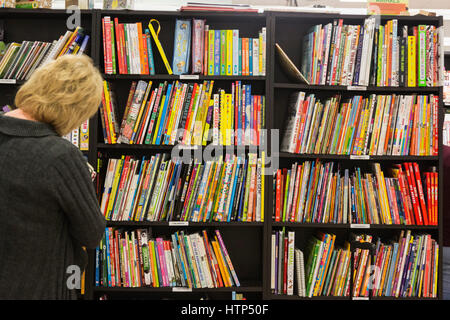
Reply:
x=380, y=55
x=422, y=55
x=223, y=52
x=286, y=191
x=113, y=48
x=312, y=261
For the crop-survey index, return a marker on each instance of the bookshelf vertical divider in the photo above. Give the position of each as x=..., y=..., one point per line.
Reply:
x=276, y=23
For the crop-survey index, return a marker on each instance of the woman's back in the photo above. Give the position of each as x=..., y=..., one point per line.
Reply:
x=48, y=210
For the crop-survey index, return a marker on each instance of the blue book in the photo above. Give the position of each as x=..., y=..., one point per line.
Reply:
x=391, y=270
x=181, y=46
x=84, y=44
x=163, y=115
x=250, y=56
x=217, y=52
x=240, y=57
x=407, y=269
x=108, y=257
x=176, y=245
x=97, y=266
x=230, y=209
x=151, y=63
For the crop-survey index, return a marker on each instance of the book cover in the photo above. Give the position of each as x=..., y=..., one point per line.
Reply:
x=181, y=46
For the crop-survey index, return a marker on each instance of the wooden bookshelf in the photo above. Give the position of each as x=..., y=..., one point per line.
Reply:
x=249, y=243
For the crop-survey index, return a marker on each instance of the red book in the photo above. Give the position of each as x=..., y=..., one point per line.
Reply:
x=285, y=265
x=278, y=196
x=112, y=260
x=145, y=67
x=412, y=189
x=420, y=191
x=429, y=197
x=145, y=115
x=435, y=194
x=406, y=201
x=304, y=106
x=105, y=52
x=283, y=187
x=107, y=27
x=124, y=50
x=119, y=47
x=235, y=89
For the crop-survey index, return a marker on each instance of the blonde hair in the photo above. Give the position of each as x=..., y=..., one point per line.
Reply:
x=62, y=93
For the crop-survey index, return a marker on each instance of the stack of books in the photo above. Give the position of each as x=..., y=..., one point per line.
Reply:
x=198, y=49
x=326, y=273
x=185, y=113
x=158, y=189
x=136, y=259
x=21, y=59
x=374, y=54
x=313, y=192
x=79, y=137
x=375, y=125
x=407, y=267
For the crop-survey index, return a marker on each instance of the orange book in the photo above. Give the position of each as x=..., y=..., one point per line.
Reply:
x=141, y=49
x=144, y=56
x=222, y=266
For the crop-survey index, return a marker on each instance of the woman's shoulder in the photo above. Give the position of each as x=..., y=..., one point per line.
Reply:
x=61, y=149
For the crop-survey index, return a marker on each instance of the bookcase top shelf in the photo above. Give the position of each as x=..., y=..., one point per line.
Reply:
x=188, y=77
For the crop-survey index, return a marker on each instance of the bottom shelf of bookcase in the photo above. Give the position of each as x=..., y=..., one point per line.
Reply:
x=295, y=297
x=246, y=288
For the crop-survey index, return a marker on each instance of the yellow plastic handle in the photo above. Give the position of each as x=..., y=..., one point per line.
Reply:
x=159, y=26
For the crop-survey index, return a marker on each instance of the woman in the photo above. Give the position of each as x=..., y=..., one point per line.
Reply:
x=48, y=208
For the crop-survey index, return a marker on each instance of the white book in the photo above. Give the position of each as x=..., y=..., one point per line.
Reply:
x=170, y=267
x=362, y=72
x=398, y=126
x=204, y=261
x=127, y=212
x=384, y=125
x=370, y=50
x=263, y=50
x=108, y=183
x=329, y=31
x=272, y=263
x=259, y=178
x=352, y=56
x=75, y=137
x=255, y=62
x=395, y=54
x=307, y=124
x=235, y=52
x=216, y=120
x=290, y=263
x=57, y=48
x=300, y=272
x=293, y=123
x=441, y=66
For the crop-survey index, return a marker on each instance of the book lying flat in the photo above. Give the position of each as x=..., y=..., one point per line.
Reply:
x=289, y=67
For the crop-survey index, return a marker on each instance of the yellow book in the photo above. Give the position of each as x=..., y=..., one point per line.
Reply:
x=159, y=119
x=387, y=212
x=173, y=111
x=319, y=285
x=222, y=117
x=222, y=266
x=154, y=265
x=260, y=57
x=229, y=37
x=158, y=44
x=141, y=111
x=197, y=125
x=109, y=112
x=68, y=42
x=207, y=105
x=84, y=136
x=412, y=47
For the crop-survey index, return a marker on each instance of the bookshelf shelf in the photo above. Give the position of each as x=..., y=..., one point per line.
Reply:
x=187, y=77
x=179, y=224
x=353, y=158
x=353, y=227
x=255, y=288
x=399, y=90
x=294, y=297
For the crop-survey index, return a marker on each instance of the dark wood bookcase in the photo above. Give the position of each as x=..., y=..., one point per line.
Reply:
x=249, y=244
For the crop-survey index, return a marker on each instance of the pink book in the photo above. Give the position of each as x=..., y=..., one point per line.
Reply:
x=162, y=262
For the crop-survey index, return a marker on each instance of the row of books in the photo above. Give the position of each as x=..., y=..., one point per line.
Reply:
x=375, y=125
x=158, y=189
x=407, y=267
x=136, y=259
x=79, y=137
x=326, y=272
x=128, y=49
x=313, y=192
x=21, y=59
x=373, y=54
x=186, y=113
